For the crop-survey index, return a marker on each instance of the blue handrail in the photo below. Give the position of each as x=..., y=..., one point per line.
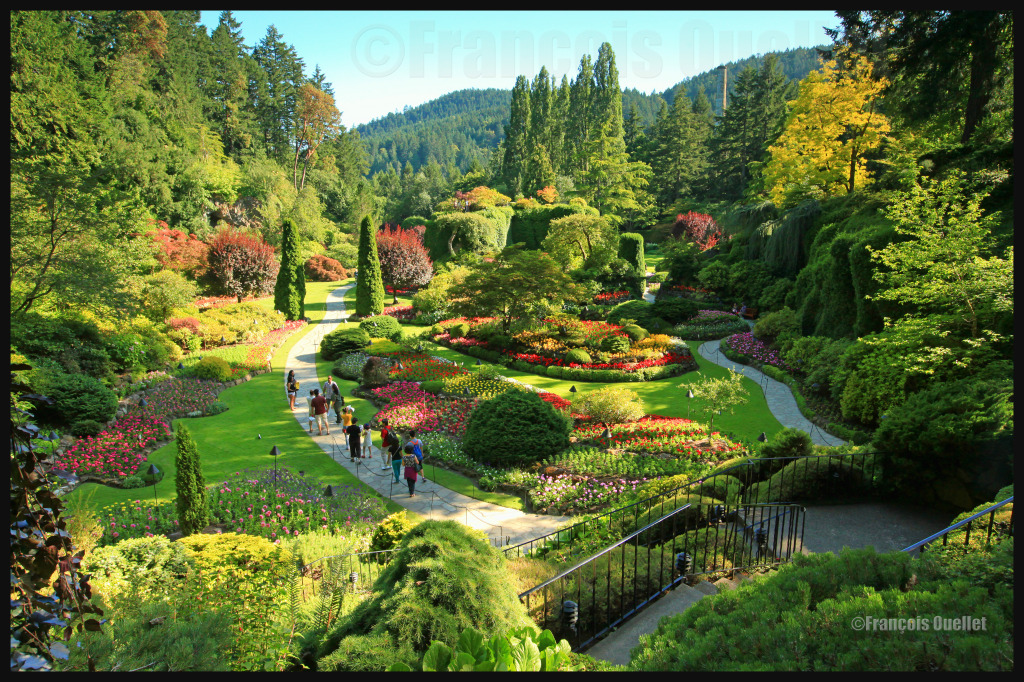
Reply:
x=955, y=526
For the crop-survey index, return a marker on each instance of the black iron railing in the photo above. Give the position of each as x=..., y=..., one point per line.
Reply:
x=755, y=481
x=982, y=522
x=585, y=601
x=343, y=572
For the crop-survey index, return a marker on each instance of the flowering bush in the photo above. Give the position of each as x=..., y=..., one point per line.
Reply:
x=399, y=312
x=608, y=297
x=116, y=452
x=757, y=350
x=420, y=367
x=570, y=494
x=679, y=437
x=321, y=268
x=410, y=407
x=250, y=502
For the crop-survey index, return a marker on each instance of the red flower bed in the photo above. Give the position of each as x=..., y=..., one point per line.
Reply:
x=398, y=292
x=419, y=367
x=399, y=312
x=557, y=401
x=669, y=358
x=221, y=301
x=612, y=297
x=117, y=452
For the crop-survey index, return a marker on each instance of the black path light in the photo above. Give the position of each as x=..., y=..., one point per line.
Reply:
x=763, y=438
x=684, y=563
x=353, y=578
x=275, y=452
x=478, y=363
x=222, y=340
x=142, y=406
x=689, y=396
x=572, y=389
x=761, y=539
x=154, y=472
x=570, y=614
x=181, y=365
x=328, y=492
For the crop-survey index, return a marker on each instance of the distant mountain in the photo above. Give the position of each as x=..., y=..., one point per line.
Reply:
x=466, y=124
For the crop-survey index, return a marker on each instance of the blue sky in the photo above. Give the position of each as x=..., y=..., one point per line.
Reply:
x=379, y=62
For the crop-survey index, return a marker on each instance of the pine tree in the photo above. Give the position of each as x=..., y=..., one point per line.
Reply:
x=370, y=287
x=290, y=290
x=517, y=133
x=191, y=504
x=578, y=126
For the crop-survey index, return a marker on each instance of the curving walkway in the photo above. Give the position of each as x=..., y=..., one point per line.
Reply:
x=431, y=500
x=780, y=398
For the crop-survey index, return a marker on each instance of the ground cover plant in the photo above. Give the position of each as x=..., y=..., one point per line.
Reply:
x=745, y=346
x=410, y=407
x=116, y=452
x=710, y=324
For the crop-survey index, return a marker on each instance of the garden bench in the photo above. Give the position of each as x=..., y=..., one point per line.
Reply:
x=750, y=313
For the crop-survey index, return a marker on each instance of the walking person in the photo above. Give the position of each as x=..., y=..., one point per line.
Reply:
x=354, y=432
x=417, y=448
x=319, y=406
x=345, y=423
x=292, y=386
x=312, y=417
x=395, y=450
x=332, y=394
x=412, y=468
x=385, y=456
x=367, y=441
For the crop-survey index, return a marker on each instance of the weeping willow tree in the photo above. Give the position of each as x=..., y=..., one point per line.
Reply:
x=779, y=242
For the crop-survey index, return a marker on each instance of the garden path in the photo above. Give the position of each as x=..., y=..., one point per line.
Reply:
x=431, y=500
x=780, y=398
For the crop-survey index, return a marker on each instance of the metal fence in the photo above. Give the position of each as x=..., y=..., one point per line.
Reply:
x=345, y=572
x=984, y=522
x=585, y=601
x=754, y=481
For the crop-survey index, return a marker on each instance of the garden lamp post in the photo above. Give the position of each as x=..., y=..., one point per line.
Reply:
x=689, y=400
x=328, y=492
x=478, y=363
x=222, y=340
x=572, y=389
x=275, y=452
x=142, y=405
x=763, y=438
x=154, y=472
x=181, y=365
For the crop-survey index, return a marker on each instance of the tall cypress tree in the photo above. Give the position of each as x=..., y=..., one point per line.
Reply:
x=517, y=132
x=290, y=290
x=370, y=287
x=193, y=510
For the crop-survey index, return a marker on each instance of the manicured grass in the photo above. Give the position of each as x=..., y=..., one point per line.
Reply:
x=228, y=442
x=463, y=485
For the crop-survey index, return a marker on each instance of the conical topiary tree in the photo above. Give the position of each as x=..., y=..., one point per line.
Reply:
x=193, y=512
x=370, y=287
x=290, y=290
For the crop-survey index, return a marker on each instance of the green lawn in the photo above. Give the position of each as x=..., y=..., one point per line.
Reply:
x=228, y=441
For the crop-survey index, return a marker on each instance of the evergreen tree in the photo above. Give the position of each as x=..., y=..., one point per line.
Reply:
x=517, y=143
x=578, y=126
x=277, y=93
x=290, y=290
x=682, y=151
x=370, y=287
x=191, y=504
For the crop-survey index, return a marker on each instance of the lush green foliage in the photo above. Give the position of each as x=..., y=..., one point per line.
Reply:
x=77, y=397
x=444, y=578
x=520, y=650
x=212, y=368
x=818, y=589
x=342, y=341
x=516, y=427
x=290, y=288
x=391, y=531
x=381, y=327
x=192, y=507
x=369, y=285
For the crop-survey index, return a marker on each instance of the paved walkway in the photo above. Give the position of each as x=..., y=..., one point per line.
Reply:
x=781, y=402
x=431, y=500
x=780, y=398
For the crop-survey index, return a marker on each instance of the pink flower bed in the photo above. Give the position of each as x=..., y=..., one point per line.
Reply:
x=755, y=349
x=115, y=452
x=410, y=407
x=399, y=312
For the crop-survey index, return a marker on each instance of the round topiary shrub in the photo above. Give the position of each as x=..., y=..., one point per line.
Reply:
x=578, y=356
x=675, y=310
x=635, y=332
x=432, y=386
x=78, y=397
x=376, y=371
x=458, y=330
x=382, y=327
x=213, y=368
x=436, y=329
x=516, y=427
x=391, y=531
x=615, y=344
x=342, y=341
x=637, y=310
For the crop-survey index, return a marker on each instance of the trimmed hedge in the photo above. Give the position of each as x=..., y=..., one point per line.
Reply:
x=342, y=341
x=515, y=428
x=382, y=327
x=212, y=367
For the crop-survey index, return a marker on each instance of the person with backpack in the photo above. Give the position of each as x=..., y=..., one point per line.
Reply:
x=292, y=386
x=354, y=432
x=412, y=468
x=417, y=448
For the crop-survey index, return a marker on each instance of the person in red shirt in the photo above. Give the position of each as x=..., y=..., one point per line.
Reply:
x=319, y=404
x=384, y=454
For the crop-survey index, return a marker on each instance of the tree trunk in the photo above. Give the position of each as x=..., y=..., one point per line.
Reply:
x=983, y=69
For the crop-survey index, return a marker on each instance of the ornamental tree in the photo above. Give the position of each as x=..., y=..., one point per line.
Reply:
x=178, y=251
x=290, y=289
x=572, y=239
x=719, y=394
x=193, y=510
x=513, y=285
x=369, y=286
x=404, y=262
x=242, y=264
x=609, y=405
x=699, y=228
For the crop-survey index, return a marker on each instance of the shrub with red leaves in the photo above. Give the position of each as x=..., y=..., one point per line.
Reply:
x=404, y=262
x=699, y=228
x=189, y=323
x=178, y=251
x=320, y=268
x=242, y=264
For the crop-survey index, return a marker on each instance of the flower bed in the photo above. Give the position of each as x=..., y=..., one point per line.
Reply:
x=710, y=324
x=250, y=502
x=747, y=345
x=653, y=434
x=221, y=301
x=420, y=367
x=116, y=452
x=176, y=398
x=246, y=358
x=399, y=292
x=399, y=312
x=611, y=297
x=569, y=494
x=410, y=407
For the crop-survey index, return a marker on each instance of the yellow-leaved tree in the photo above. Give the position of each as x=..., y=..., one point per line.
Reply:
x=833, y=121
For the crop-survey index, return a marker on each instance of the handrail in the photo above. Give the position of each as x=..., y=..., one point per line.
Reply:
x=955, y=526
x=603, y=551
